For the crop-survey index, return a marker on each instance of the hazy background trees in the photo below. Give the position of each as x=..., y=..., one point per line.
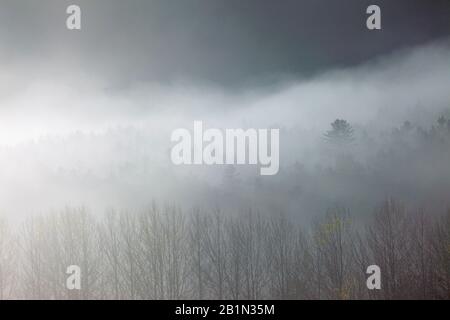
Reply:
x=220, y=252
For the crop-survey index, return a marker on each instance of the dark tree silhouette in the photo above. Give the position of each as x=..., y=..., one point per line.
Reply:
x=341, y=133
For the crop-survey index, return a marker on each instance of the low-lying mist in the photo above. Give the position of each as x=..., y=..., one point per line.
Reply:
x=74, y=139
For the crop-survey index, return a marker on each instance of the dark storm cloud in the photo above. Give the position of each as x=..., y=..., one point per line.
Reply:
x=222, y=41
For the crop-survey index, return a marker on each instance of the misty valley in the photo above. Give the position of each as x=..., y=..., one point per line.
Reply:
x=213, y=251
x=202, y=150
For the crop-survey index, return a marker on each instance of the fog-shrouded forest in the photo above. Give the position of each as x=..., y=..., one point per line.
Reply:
x=165, y=251
x=87, y=178
x=80, y=142
x=365, y=188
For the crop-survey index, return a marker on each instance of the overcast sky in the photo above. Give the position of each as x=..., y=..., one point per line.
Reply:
x=137, y=59
x=227, y=42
